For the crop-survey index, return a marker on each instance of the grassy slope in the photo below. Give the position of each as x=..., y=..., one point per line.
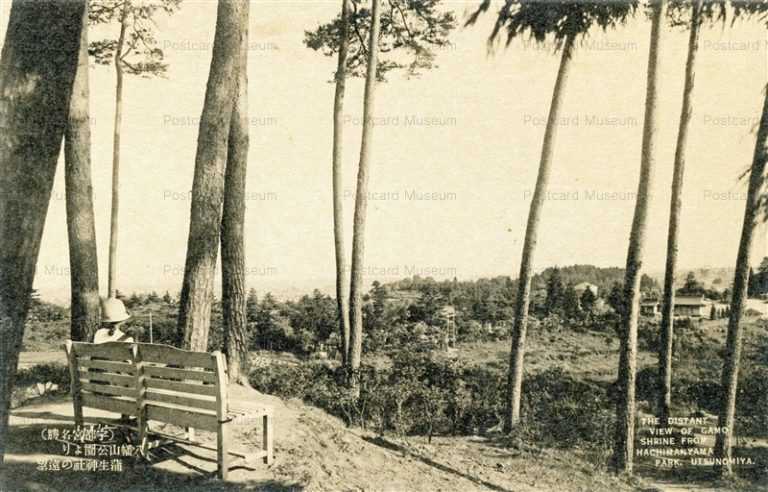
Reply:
x=588, y=356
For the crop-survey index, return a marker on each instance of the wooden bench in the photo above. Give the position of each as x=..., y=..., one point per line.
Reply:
x=161, y=383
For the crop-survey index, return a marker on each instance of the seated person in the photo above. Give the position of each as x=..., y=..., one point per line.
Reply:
x=113, y=316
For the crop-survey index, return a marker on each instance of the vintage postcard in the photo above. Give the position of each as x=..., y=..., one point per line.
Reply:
x=383, y=245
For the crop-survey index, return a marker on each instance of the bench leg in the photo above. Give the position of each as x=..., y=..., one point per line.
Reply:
x=78, y=407
x=267, y=439
x=222, y=450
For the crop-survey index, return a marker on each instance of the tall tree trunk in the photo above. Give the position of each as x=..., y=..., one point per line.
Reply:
x=233, y=223
x=623, y=451
x=361, y=200
x=36, y=76
x=113, y=224
x=517, y=352
x=81, y=228
x=342, y=301
x=208, y=184
x=753, y=209
x=676, y=202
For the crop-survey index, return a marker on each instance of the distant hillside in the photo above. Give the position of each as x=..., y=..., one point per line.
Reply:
x=602, y=277
x=717, y=278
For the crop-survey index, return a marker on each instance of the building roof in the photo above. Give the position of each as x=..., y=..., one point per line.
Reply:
x=679, y=301
x=689, y=301
x=585, y=286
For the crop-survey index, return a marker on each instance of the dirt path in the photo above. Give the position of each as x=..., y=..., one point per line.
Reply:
x=313, y=450
x=27, y=359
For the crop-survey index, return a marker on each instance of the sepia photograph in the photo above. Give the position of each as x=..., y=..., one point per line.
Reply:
x=384, y=245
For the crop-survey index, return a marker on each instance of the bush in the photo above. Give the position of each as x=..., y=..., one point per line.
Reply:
x=696, y=393
x=752, y=402
x=420, y=395
x=57, y=374
x=561, y=412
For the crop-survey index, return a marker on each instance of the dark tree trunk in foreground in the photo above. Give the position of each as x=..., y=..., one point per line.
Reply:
x=342, y=299
x=517, y=352
x=233, y=224
x=624, y=445
x=115, y=212
x=676, y=203
x=756, y=203
x=36, y=76
x=361, y=201
x=208, y=185
x=81, y=229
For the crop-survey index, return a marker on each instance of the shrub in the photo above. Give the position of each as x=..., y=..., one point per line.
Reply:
x=562, y=412
x=420, y=395
x=752, y=402
x=57, y=374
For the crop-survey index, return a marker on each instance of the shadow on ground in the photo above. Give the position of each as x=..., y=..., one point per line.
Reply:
x=746, y=477
x=25, y=448
x=384, y=443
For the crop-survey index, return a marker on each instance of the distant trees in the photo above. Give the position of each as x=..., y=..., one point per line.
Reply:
x=691, y=287
x=757, y=283
x=602, y=277
x=299, y=326
x=37, y=70
x=752, y=283
x=555, y=292
x=571, y=307
x=588, y=300
x=427, y=308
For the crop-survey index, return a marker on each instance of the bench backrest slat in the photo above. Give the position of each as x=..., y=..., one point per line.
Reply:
x=106, y=365
x=190, y=403
x=167, y=355
x=110, y=404
x=109, y=390
x=179, y=374
x=106, y=377
x=180, y=387
x=114, y=351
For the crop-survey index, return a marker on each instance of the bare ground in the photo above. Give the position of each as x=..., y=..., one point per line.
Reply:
x=313, y=451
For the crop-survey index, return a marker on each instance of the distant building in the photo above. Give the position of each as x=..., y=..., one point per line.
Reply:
x=650, y=308
x=580, y=288
x=685, y=306
x=693, y=306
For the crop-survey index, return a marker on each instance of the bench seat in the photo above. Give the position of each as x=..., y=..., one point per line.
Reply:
x=153, y=382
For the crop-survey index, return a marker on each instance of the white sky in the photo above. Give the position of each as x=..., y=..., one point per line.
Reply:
x=481, y=160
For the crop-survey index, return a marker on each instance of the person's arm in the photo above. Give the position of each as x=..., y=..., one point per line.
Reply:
x=131, y=334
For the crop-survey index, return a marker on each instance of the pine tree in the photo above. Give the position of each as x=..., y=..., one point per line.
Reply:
x=37, y=71
x=555, y=293
x=571, y=303
x=587, y=301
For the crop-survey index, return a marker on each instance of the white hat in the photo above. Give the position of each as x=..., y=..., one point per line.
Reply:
x=113, y=310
